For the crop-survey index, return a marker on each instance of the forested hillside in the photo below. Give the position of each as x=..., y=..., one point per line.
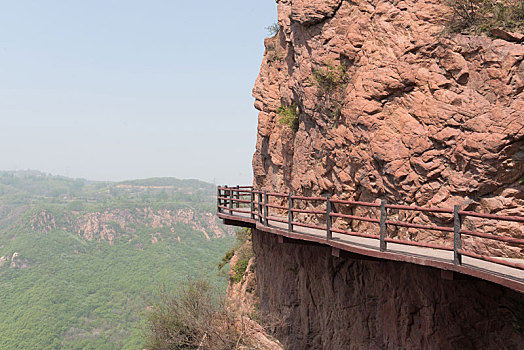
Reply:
x=81, y=261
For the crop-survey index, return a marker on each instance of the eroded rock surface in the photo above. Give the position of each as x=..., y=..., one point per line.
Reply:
x=425, y=117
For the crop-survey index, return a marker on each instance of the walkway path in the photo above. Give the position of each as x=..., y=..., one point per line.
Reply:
x=511, y=275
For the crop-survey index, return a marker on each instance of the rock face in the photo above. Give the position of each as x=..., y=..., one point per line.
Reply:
x=417, y=116
x=243, y=294
x=317, y=301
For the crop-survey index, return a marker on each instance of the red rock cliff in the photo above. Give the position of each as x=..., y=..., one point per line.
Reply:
x=418, y=116
x=389, y=106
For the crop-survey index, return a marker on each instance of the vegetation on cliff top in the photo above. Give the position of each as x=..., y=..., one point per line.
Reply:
x=485, y=15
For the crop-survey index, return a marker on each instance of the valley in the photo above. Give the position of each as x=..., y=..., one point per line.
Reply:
x=81, y=261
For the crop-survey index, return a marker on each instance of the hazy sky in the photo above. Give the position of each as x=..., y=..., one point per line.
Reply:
x=111, y=90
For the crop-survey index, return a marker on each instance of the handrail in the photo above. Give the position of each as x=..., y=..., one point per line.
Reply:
x=274, y=194
x=354, y=217
x=423, y=227
x=365, y=204
x=276, y=206
x=412, y=207
x=419, y=244
x=309, y=198
x=306, y=211
x=494, y=237
x=492, y=216
x=263, y=202
x=352, y=233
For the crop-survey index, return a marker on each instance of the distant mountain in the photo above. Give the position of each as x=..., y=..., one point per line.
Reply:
x=169, y=182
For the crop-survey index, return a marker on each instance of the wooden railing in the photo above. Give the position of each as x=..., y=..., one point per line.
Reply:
x=260, y=206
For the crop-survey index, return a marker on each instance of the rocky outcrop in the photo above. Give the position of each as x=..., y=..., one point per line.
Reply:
x=17, y=262
x=317, y=301
x=111, y=223
x=414, y=116
x=105, y=225
x=43, y=222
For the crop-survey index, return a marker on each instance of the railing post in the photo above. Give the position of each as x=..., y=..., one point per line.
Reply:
x=252, y=205
x=290, y=212
x=230, y=202
x=219, y=202
x=260, y=206
x=457, y=242
x=329, y=234
x=383, y=227
x=266, y=208
x=238, y=196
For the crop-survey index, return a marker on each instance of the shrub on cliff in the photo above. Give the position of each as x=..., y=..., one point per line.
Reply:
x=333, y=110
x=273, y=29
x=330, y=77
x=274, y=56
x=288, y=116
x=192, y=319
x=484, y=15
x=243, y=250
x=241, y=266
x=331, y=81
x=242, y=235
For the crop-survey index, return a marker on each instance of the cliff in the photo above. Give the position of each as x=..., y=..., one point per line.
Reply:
x=325, y=302
x=242, y=297
x=371, y=100
x=389, y=105
x=111, y=223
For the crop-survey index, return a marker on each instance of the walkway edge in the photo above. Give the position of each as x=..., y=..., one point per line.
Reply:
x=386, y=255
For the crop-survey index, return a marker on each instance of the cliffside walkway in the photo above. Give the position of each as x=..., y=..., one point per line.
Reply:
x=326, y=221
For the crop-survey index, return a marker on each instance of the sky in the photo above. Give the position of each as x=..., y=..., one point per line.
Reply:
x=126, y=89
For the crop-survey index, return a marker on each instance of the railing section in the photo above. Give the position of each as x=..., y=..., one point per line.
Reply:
x=263, y=206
